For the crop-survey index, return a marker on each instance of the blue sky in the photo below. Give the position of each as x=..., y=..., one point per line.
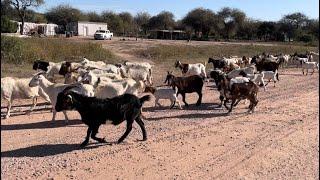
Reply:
x=271, y=10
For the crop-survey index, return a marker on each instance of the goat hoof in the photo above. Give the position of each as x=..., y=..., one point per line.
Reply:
x=102, y=140
x=84, y=144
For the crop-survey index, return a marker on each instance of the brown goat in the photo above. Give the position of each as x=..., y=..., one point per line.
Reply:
x=238, y=91
x=185, y=85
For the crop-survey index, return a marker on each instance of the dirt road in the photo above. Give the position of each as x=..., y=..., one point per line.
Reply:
x=279, y=141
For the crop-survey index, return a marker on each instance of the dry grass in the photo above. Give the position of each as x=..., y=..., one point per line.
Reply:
x=166, y=53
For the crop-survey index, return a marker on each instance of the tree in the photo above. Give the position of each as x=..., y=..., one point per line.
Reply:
x=114, y=21
x=128, y=24
x=200, y=20
x=266, y=30
x=249, y=29
x=141, y=20
x=21, y=7
x=94, y=17
x=8, y=26
x=164, y=20
x=232, y=20
x=63, y=14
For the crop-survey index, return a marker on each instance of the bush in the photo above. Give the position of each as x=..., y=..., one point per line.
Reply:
x=8, y=26
x=306, y=38
x=11, y=50
x=20, y=51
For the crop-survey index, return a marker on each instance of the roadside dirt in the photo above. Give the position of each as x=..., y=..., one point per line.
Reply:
x=279, y=141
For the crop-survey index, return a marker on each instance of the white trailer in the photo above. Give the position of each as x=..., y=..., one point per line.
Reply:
x=84, y=28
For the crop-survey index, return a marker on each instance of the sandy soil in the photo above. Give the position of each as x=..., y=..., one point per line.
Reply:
x=279, y=141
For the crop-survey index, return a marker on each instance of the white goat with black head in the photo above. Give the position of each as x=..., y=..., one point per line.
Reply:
x=191, y=69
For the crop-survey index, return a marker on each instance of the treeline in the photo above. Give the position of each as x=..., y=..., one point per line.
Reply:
x=199, y=23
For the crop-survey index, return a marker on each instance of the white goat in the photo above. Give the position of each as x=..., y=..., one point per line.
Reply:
x=117, y=88
x=270, y=75
x=138, y=64
x=309, y=65
x=92, y=78
x=17, y=88
x=53, y=89
x=238, y=80
x=136, y=73
x=53, y=69
x=164, y=93
x=236, y=72
x=95, y=64
x=192, y=69
x=256, y=78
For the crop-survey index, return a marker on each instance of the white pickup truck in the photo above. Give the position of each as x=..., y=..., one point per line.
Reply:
x=103, y=34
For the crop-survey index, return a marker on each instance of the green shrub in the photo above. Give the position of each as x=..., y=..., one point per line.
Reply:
x=19, y=51
x=11, y=50
x=306, y=38
x=8, y=26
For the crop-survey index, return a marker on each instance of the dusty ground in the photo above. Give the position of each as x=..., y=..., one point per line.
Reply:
x=279, y=141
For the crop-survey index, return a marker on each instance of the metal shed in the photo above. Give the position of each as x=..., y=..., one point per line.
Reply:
x=84, y=28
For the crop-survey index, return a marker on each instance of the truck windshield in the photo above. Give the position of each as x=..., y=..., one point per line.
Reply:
x=101, y=31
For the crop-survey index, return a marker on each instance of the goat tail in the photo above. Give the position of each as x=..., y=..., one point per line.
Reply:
x=144, y=98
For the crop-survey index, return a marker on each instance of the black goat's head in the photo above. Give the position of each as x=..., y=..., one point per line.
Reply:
x=65, y=98
x=169, y=78
x=65, y=68
x=210, y=60
x=177, y=63
x=35, y=65
x=64, y=101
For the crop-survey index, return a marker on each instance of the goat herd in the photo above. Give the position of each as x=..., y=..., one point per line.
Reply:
x=107, y=93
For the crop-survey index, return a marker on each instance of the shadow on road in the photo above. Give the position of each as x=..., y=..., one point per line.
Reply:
x=40, y=125
x=203, y=106
x=45, y=150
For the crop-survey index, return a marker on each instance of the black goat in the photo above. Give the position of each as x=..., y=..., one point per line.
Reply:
x=39, y=64
x=218, y=76
x=95, y=112
x=218, y=63
x=268, y=66
x=185, y=85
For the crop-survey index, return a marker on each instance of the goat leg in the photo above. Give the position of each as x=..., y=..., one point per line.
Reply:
x=172, y=104
x=221, y=100
x=8, y=108
x=128, y=130
x=85, y=142
x=143, y=129
x=225, y=104
x=237, y=102
x=184, y=100
x=199, y=100
x=34, y=103
x=94, y=133
x=232, y=104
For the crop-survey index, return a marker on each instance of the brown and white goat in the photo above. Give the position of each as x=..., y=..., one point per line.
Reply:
x=185, y=85
x=238, y=91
